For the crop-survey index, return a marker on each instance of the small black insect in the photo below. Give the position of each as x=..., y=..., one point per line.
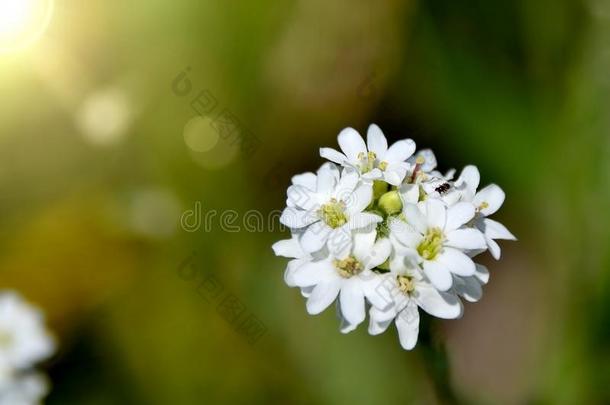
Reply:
x=443, y=188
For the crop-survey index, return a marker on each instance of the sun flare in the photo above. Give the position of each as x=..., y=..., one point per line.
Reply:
x=22, y=22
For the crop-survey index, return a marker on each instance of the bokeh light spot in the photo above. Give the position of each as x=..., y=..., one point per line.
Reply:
x=105, y=116
x=199, y=134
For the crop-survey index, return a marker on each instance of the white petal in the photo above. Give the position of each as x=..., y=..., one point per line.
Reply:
x=438, y=274
x=374, y=174
x=400, y=151
x=322, y=296
x=482, y=273
x=306, y=291
x=494, y=248
x=378, y=289
x=470, y=177
x=359, y=199
x=315, y=237
x=307, y=180
x=333, y=155
x=415, y=218
x=404, y=233
x=469, y=288
x=458, y=214
x=311, y=273
x=467, y=238
x=302, y=197
x=409, y=193
x=340, y=241
x=347, y=184
x=394, y=174
x=380, y=320
x=378, y=254
x=436, y=213
x=376, y=141
x=295, y=218
x=352, y=302
x=328, y=177
x=491, y=197
x=288, y=248
x=363, y=243
x=344, y=325
x=291, y=270
x=429, y=160
x=439, y=304
x=449, y=175
x=457, y=262
x=496, y=230
x=363, y=220
x=407, y=323
x=351, y=143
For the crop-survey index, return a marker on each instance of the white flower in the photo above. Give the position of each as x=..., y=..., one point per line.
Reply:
x=471, y=288
x=291, y=248
x=410, y=290
x=328, y=214
x=390, y=230
x=23, y=338
x=348, y=277
x=486, y=201
x=433, y=235
x=23, y=389
x=374, y=160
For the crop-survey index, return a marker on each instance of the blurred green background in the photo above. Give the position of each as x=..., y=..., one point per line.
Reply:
x=110, y=136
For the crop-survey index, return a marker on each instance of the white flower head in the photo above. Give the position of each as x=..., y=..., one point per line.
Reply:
x=373, y=159
x=23, y=338
x=486, y=201
x=328, y=214
x=433, y=234
x=409, y=290
x=386, y=229
x=23, y=389
x=348, y=277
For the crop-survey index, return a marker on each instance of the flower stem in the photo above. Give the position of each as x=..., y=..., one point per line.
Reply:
x=436, y=361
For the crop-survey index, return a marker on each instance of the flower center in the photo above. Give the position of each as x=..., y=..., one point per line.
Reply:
x=333, y=213
x=406, y=284
x=367, y=161
x=348, y=267
x=432, y=244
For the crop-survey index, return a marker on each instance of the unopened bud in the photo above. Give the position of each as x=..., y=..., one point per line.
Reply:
x=390, y=203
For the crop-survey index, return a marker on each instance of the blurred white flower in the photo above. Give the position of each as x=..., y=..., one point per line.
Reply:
x=24, y=342
x=23, y=389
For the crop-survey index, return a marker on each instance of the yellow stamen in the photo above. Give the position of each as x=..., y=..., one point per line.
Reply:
x=348, y=267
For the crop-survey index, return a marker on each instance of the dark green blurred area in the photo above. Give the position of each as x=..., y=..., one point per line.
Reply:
x=101, y=157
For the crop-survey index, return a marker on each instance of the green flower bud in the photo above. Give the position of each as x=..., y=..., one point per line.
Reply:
x=379, y=188
x=390, y=203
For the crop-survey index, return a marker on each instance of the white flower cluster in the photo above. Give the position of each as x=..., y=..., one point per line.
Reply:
x=379, y=228
x=24, y=342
